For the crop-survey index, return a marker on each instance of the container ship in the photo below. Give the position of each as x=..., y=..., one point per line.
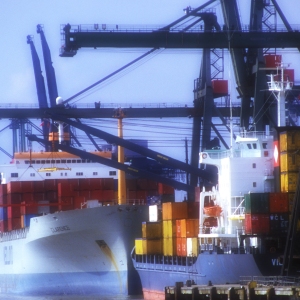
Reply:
x=237, y=230
x=61, y=233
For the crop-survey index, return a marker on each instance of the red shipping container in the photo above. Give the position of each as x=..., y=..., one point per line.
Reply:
x=131, y=195
x=107, y=195
x=65, y=189
x=86, y=194
x=3, y=225
x=28, y=208
x=3, y=189
x=27, y=186
x=95, y=184
x=257, y=224
x=14, y=223
x=75, y=183
x=51, y=196
x=39, y=186
x=165, y=189
x=131, y=184
x=50, y=185
x=279, y=202
x=14, y=187
x=220, y=86
x=15, y=198
x=142, y=184
x=141, y=195
x=65, y=203
x=107, y=183
x=178, y=228
x=14, y=211
x=78, y=201
x=38, y=196
x=96, y=195
x=272, y=61
x=27, y=197
x=84, y=184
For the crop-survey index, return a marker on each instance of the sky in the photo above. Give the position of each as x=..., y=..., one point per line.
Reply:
x=166, y=78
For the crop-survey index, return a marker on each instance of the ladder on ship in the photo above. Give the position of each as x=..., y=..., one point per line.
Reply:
x=292, y=234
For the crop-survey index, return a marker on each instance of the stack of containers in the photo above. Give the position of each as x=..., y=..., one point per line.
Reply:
x=257, y=213
x=176, y=234
x=151, y=241
x=3, y=208
x=289, y=162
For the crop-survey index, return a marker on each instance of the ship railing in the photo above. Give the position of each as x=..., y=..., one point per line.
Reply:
x=271, y=280
x=14, y=234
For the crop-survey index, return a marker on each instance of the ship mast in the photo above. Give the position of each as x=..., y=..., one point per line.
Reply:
x=278, y=88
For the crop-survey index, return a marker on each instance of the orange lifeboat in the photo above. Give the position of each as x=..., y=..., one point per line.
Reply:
x=213, y=211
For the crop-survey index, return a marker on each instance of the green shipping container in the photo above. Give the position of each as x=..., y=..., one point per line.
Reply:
x=257, y=203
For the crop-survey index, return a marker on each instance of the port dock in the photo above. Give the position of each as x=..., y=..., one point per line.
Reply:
x=274, y=289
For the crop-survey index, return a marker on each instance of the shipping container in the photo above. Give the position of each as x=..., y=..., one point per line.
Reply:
x=220, y=86
x=95, y=184
x=14, y=187
x=14, y=211
x=174, y=210
x=84, y=184
x=51, y=196
x=291, y=197
x=169, y=246
x=152, y=230
x=167, y=198
x=75, y=183
x=144, y=246
x=187, y=228
x=165, y=189
x=289, y=140
x=96, y=194
x=279, y=223
x=28, y=208
x=27, y=186
x=257, y=224
x=288, y=182
x=279, y=203
x=131, y=195
x=169, y=228
x=107, y=183
x=78, y=201
x=257, y=203
x=14, y=223
x=289, y=162
x=181, y=246
x=108, y=195
x=65, y=203
x=84, y=193
x=4, y=225
x=192, y=246
x=3, y=189
x=39, y=186
x=50, y=185
x=272, y=60
x=3, y=213
x=38, y=196
x=192, y=210
x=65, y=189
x=131, y=184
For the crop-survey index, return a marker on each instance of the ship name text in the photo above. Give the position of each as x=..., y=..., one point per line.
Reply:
x=60, y=228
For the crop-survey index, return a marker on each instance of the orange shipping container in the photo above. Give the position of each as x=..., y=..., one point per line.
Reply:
x=165, y=189
x=181, y=246
x=187, y=228
x=174, y=210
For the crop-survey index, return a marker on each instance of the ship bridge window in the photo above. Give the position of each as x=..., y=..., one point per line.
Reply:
x=52, y=161
x=264, y=145
x=254, y=146
x=14, y=175
x=48, y=161
x=43, y=161
x=32, y=174
x=58, y=161
x=63, y=161
x=254, y=184
x=84, y=160
x=249, y=146
x=38, y=161
x=27, y=162
x=48, y=174
x=254, y=166
x=79, y=173
x=73, y=160
x=68, y=161
x=95, y=173
x=78, y=160
x=33, y=161
x=112, y=173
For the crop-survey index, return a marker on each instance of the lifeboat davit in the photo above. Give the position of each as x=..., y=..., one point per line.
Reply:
x=213, y=211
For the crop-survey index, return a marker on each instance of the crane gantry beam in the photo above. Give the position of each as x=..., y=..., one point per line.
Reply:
x=75, y=39
x=88, y=113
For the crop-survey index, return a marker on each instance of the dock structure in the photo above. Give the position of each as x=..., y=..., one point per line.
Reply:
x=251, y=291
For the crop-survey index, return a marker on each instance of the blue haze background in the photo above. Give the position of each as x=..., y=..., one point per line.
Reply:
x=164, y=79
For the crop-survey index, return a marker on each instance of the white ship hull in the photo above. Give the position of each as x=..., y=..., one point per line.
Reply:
x=83, y=251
